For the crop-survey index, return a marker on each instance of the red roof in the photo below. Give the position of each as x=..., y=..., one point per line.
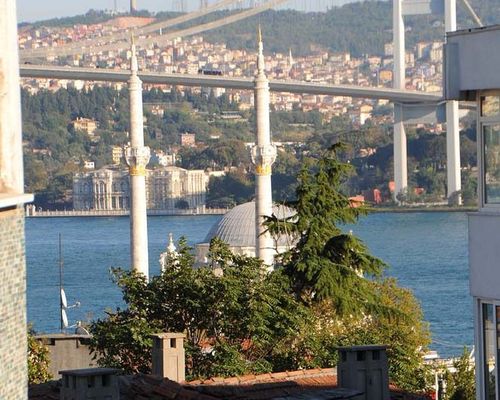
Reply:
x=313, y=384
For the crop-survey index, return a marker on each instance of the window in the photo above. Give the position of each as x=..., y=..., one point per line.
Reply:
x=489, y=361
x=489, y=154
x=491, y=163
x=106, y=380
x=490, y=106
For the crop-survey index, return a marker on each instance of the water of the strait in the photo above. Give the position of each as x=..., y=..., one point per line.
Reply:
x=427, y=252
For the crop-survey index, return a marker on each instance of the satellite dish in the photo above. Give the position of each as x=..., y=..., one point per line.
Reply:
x=80, y=330
x=64, y=302
x=64, y=318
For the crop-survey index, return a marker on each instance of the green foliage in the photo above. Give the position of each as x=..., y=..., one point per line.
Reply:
x=219, y=155
x=360, y=27
x=327, y=263
x=239, y=312
x=241, y=320
x=461, y=384
x=54, y=151
x=38, y=360
x=233, y=188
x=182, y=204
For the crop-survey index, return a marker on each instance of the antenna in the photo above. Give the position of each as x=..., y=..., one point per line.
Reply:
x=64, y=319
x=63, y=302
x=80, y=330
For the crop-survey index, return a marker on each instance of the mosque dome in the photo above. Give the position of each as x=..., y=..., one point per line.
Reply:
x=237, y=229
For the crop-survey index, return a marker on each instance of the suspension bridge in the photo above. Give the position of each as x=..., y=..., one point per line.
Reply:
x=154, y=35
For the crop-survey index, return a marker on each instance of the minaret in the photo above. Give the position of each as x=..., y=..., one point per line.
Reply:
x=263, y=156
x=169, y=254
x=133, y=6
x=137, y=157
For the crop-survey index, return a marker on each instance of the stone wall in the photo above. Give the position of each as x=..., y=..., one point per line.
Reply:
x=13, y=342
x=67, y=352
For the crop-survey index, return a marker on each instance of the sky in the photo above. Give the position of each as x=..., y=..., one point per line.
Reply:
x=37, y=10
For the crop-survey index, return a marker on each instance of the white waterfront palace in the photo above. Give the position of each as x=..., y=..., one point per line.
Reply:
x=167, y=188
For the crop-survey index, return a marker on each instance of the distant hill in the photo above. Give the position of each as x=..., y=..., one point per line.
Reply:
x=360, y=28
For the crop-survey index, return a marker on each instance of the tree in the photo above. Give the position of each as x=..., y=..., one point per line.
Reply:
x=327, y=263
x=235, y=185
x=238, y=319
x=239, y=312
x=182, y=204
x=461, y=384
x=38, y=360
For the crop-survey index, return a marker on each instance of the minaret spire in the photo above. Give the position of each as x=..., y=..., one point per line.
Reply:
x=263, y=157
x=133, y=59
x=137, y=157
x=261, y=63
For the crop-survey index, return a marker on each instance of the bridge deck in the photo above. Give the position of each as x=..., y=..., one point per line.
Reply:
x=96, y=74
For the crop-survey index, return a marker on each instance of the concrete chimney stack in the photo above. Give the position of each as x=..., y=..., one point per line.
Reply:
x=169, y=356
x=133, y=6
x=364, y=368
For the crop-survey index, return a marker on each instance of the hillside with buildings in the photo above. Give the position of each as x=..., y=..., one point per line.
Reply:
x=358, y=28
x=76, y=127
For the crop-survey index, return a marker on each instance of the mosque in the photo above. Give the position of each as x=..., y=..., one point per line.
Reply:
x=237, y=229
x=242, y=228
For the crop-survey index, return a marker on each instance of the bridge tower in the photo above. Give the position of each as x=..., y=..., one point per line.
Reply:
x=263, y=157
x=137, y=157
x=452, y=122
x=400, y=150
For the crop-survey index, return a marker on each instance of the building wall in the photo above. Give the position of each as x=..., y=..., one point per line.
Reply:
x=108, y=189
x=101, y=190
x=68, y=352
x=13, y=341
x=484, y=253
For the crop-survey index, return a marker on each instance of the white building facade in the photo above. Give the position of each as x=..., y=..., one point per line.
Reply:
x=472, y=60
x=167, y=188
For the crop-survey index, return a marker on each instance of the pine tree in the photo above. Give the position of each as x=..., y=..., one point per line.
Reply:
x=327, y=263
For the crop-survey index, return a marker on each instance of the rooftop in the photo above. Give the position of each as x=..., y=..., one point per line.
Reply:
x=312, y=384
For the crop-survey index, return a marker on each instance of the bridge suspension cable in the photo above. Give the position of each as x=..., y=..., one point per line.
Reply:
x=139, y=31
x=99, y=45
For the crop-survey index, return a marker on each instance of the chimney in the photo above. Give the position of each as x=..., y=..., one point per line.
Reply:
x=364, y=368
x=90, y=383
x=169, y=356
x=133, y=6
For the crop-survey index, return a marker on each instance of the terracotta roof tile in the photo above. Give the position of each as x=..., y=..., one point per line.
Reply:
x=230, y=381
x=167, y=391
x=247, y=378
x=279, y=375
x=315, y=384
x=299, y=372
